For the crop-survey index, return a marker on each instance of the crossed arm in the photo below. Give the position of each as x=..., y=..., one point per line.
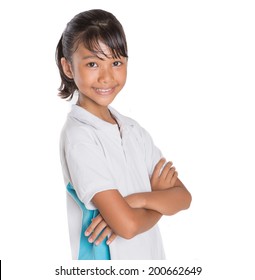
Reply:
x=138, y=212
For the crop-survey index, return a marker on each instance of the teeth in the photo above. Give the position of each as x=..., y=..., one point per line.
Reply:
x=103, y=90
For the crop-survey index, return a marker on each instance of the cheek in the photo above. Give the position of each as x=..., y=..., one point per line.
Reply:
x=122, y=75
x=83, y=77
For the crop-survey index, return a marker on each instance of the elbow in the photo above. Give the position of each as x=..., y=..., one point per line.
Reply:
x=187, y=200
x=129, y=229
x=183, y=201
x=128, y=234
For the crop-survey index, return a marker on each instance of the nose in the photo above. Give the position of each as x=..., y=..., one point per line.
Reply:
x=105, y=75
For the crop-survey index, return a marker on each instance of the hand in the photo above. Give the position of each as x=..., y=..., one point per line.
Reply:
x=163, y=177
x=98, y=230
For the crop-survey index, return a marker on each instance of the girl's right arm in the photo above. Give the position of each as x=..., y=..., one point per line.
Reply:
x=123, y=220
x=168, y=195
x=140, y=210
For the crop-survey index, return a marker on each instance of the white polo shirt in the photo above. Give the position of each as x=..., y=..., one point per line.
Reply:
x=97, y=156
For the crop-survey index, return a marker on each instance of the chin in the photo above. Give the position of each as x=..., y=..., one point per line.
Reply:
x=105, y=101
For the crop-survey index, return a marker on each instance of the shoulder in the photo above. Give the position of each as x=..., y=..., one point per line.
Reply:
x=75, y=132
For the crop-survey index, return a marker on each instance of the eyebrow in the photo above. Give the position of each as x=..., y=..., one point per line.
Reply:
x=94, y=57
x=90, y=56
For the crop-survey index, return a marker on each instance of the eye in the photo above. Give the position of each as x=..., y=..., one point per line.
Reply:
x=92, y=64
x=117, y=63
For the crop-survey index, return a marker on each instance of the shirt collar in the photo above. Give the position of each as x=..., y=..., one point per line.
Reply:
x=86, y=117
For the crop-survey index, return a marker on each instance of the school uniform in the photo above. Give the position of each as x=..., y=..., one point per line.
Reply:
x=98, y=156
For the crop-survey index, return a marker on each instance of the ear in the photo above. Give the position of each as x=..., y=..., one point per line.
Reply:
x=67, y=68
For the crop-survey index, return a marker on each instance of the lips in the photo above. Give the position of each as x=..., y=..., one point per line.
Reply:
x=104, y=91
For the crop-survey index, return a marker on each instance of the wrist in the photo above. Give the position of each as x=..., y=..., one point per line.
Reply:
x=146, y=199
x=136, y=200
x=142, y=199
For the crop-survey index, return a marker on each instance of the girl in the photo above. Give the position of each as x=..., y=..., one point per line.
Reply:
x=118, y=184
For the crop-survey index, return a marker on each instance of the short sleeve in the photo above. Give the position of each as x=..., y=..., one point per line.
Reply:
x=152, y=152
x=88, y=171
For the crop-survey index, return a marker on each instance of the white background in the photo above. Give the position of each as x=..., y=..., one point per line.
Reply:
x=190, y=84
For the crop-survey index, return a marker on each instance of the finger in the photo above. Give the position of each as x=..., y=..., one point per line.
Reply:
x=158, y=167
x=170, y=174
x=97, y=231
x=166, y=169
x=94, y=222
x=107, y=231
x=174, y=179
x=111, y=238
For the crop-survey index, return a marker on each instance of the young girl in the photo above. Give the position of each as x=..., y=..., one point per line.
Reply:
x=118, y=185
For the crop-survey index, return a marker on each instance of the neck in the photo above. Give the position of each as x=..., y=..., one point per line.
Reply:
x=101, y=112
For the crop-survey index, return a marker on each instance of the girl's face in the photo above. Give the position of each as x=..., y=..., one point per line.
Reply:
x=98, y=78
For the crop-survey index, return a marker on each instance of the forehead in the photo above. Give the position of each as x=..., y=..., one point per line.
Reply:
x=101, y=51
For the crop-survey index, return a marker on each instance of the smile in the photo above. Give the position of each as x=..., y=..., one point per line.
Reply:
x=105, y=91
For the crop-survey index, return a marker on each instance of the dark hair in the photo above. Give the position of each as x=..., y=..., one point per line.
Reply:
x=89, y=28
